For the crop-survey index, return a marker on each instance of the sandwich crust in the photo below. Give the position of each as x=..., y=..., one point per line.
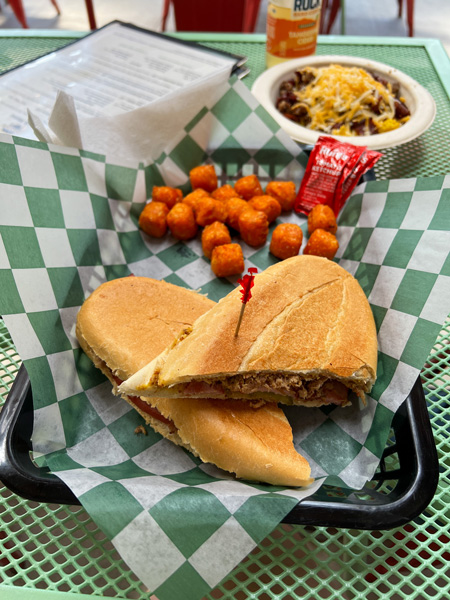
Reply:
x=307, y=317
x=127, y=322
x=254, y=443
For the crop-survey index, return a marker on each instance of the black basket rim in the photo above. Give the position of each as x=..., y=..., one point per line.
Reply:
x=417, y=477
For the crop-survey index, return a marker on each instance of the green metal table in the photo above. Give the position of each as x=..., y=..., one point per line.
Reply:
x=54, y=551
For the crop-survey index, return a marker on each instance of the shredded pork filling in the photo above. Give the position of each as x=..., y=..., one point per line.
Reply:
x=323, y=389
x=136, y=400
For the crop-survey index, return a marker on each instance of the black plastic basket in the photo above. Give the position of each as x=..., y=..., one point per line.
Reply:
x=401, y=489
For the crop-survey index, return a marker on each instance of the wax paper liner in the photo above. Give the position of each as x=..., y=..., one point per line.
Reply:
x=68, y=222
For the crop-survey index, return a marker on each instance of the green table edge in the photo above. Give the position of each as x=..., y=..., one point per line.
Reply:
x=434, y=47
x=24, y=593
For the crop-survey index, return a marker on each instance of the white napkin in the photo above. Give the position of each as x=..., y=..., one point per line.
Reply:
x=136, y=136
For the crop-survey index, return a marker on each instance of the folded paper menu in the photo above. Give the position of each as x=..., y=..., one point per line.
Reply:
x=68, y=222
x=112, y=71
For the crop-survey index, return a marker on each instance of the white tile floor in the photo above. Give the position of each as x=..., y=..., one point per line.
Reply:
x=363, y=17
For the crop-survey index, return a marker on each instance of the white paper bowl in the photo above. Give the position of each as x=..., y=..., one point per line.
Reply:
x=419, y=101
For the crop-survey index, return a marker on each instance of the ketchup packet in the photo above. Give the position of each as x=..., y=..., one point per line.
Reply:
x=323, y=171
x=331, y=174
x=346, y=177
x=365, y=162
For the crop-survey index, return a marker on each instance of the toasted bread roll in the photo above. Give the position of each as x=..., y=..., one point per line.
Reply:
x=125, y=323
x=307, y=337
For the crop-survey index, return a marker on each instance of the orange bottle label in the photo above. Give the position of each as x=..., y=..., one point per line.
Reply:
x=292, y=33
x=291, y=39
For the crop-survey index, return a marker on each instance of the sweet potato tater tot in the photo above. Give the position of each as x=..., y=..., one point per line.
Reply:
x=193, y=198
x=322, y=243
x=284, y=192
x=322, y=217
x=268, y=205
x=224, y=193
x=152, y=219
x=214, y=235
x=166, y=194
x=235, y=206
x=286, y=240
x=253, y=227
x=203, y=177
x=248, y=186
x=181, y=222
x=210, y=210
x=227, y=260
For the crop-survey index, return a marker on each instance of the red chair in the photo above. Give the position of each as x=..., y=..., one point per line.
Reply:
x=329, y=13
x=19, y=11
x=409, y=14
x=328, y=18
x=208, y=15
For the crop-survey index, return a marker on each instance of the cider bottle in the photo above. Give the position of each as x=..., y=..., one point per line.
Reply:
x=292, y=29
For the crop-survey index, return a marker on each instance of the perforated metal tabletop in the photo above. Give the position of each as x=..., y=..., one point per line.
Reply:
x=58, y=551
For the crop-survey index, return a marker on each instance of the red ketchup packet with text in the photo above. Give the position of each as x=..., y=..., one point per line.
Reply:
x=329, y=172
x=365, y=162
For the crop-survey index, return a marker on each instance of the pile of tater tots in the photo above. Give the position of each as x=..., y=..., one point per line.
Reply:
x=245, y=208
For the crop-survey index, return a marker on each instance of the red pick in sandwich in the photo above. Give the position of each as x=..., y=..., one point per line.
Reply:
x=247, y=283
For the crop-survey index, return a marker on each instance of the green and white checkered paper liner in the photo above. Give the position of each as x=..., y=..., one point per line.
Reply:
x=68, y=222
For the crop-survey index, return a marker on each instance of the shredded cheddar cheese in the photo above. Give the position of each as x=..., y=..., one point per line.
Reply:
x=388, y=125
x=344, y=101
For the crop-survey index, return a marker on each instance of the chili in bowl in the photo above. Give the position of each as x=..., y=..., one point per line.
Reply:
x=356, y=100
